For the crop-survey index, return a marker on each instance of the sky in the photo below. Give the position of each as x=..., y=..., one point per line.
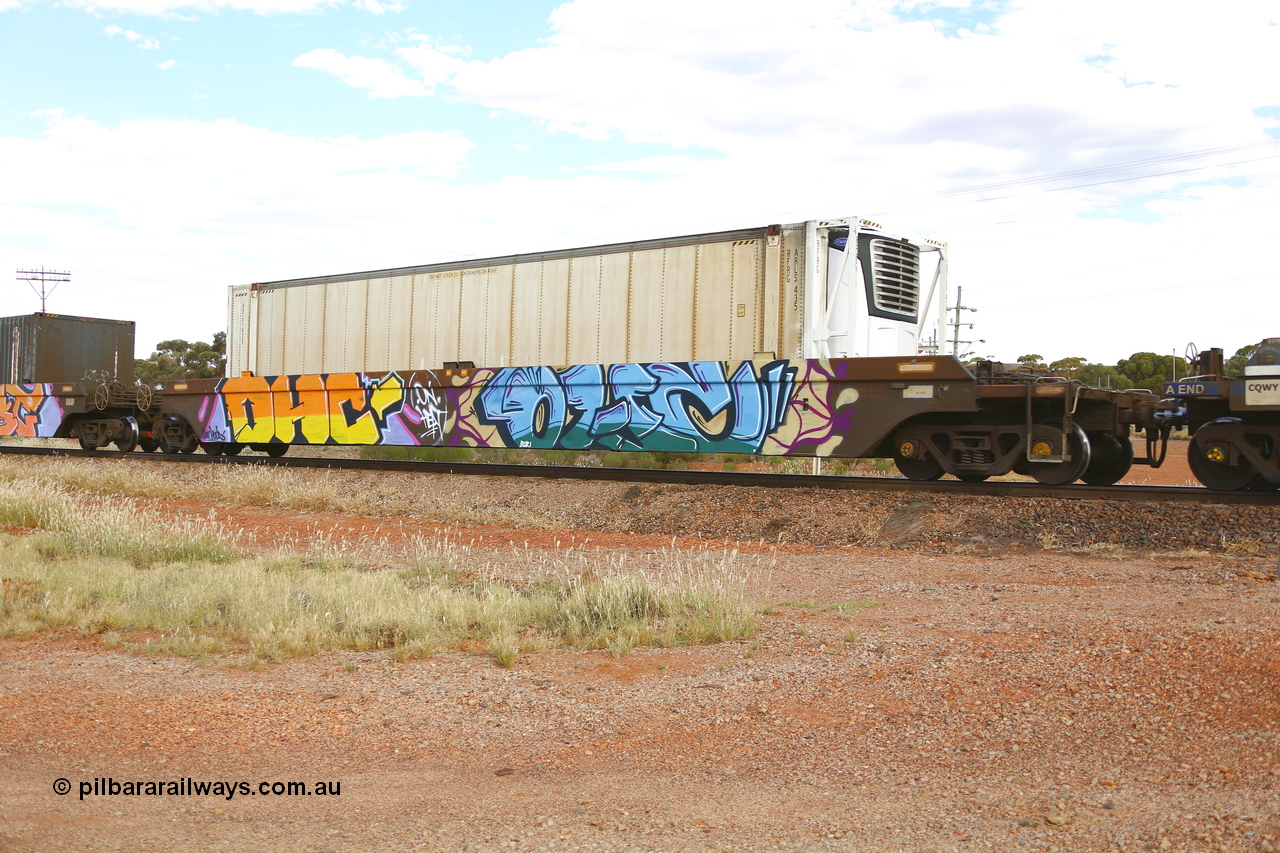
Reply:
x=1105, y=174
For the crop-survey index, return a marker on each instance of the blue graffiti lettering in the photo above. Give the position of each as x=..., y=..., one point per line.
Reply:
x=527, y=404
x=685, y=406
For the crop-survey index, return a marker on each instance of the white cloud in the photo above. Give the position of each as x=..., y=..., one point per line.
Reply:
x=377, y=8
x=172, y=8
x=142, y=41
x=148, y=211
x=831, y=108
x=434, y=61
x=379, y=77
x=654, y=165
x=735, y=75
x=821, y=108
x=167, y=64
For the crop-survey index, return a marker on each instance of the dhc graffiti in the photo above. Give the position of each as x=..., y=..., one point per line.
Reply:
x=689, y=407
x=341, y=408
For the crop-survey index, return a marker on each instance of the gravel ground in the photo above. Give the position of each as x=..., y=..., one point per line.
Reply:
x=974, y=693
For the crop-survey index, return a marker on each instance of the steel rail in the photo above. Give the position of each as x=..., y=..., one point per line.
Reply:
x=997, y=488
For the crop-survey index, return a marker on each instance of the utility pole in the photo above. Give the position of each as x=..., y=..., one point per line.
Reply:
x=956, y=324
x=44, y=277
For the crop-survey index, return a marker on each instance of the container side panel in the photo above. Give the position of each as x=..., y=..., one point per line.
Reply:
x=615, y=278
x=237, y=331
x=377, y=341
x=793, y=293
x=584, y=311
x=399, y=326
x=553, y=320
x=677, y=304
x=771, y=321
x=748, y=300
x=424, y=296
x=272, y=320
x=647, y=289
x=313, y=321
x=335, y=324
x=525, y=311
x=56, y=348
x=10, y=350
x=125, y=350
x=501, y=287
x=356, y=308
x=473, y=319
x=713, y=308
x=295, y=339
x=444, y=342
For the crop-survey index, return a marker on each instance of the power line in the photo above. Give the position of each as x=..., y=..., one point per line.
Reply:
x=44, y=277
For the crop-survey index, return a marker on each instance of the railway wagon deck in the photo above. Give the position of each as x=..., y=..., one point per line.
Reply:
x=931, y=414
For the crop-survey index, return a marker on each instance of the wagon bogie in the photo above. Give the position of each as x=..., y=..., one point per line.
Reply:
x=1234, y=422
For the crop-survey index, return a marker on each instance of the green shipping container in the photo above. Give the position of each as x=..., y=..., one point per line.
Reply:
x=59, y=348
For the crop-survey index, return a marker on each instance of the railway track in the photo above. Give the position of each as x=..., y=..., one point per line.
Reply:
x=1077, y=491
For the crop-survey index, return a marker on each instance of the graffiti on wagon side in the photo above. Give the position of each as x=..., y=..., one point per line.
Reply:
x=688, y=407
x=29, y=411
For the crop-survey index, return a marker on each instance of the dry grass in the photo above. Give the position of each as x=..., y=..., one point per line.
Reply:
x=104, y=568
x=410, y=496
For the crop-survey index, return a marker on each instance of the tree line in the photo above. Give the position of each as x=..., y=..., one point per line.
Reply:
x=1140, y=370
x=179, y=359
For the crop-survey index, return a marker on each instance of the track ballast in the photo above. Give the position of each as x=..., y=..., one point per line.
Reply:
x=1076, y=491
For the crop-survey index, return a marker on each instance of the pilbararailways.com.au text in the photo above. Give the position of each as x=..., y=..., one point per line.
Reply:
x=188, y=787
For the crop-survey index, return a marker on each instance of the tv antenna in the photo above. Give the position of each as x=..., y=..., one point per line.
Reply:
x=45, y=278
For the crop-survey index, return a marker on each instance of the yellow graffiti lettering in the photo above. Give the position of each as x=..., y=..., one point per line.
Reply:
x=308, y=419
x=249, y=404
x=386, y=395
x=349, y=419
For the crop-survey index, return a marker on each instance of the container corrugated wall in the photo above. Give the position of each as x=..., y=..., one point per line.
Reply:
x=719, y=297
x=62, y=348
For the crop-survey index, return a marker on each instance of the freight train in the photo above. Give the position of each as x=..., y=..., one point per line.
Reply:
x=836, y=356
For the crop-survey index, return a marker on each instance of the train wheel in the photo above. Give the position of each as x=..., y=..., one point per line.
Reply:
x=87, y=443
x=148, y=445
x=276, y=450
x=1110, y=458
x=213, y=448
x=127, y=442
x=1208, y=459
x=187, y=444
x=922, y=468
x=232, y=448
x=972, y=478
x=1061, y=473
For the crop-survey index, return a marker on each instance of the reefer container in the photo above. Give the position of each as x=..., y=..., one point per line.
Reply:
x=58, y=348
x=818, y=289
